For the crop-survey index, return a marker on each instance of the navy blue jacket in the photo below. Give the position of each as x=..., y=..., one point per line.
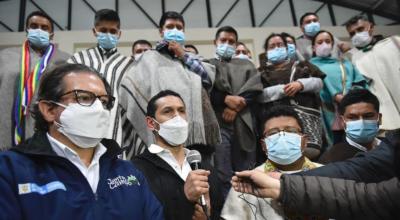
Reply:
x=35, y=183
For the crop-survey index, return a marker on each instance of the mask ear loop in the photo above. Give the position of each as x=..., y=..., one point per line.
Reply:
x=58, y=124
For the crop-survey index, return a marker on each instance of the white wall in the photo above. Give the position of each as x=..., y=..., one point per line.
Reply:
x=202, y=38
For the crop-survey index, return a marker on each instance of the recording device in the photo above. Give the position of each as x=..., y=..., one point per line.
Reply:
x=194, y=159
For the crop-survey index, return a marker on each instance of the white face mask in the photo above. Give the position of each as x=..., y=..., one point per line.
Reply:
x=137, y=56
x=323, y=50
x=174, y=131
x=85, y=126
x=361, y=39
x=242, y=56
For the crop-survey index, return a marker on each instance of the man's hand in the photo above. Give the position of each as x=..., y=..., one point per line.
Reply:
x=198, y=210
x=229, y=115
x=338, y=98
x=196, y=184
x=256, y=183
x=344, y=46
x=234, y=102
x=291, y=89
x=198, y=213
x=176, y=48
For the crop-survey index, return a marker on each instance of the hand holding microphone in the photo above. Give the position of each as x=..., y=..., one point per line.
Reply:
x=196, y=185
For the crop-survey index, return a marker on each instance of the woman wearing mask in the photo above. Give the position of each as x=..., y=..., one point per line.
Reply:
x=293, y=53
x=295, y=83
x=341, y=76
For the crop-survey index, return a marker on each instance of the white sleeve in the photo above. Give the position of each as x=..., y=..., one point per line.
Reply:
x=312, y=84
x=271, y=93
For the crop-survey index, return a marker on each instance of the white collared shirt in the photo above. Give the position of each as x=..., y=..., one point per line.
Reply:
x=169, y=158
x=360, y=147
x=92, y=172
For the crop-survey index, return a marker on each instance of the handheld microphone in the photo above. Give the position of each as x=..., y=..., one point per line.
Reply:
x=194, y=159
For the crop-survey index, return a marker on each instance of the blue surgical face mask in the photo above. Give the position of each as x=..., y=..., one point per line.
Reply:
x=225, y=50
x=174, y=35
x=106, y=40
x=291, y=49
x=38, y=37
x=277, y=55
x=362, y=131
x=284, y=147
x=312, y=29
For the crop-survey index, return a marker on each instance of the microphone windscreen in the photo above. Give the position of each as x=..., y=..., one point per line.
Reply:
x=193, y=157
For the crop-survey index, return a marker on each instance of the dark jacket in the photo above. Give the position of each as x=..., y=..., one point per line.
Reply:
x=35, y=183
x=341, y=199
x=169, y=187
x=368, y=167
x=339, y=152
x=371, y=191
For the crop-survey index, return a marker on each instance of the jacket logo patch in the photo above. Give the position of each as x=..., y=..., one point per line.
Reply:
x=26, y=188
x=122, y=180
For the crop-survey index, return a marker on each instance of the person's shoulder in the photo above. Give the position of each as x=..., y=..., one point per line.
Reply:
x=13, y=49
x=11, y=160
x=244, y=63
x=388, y=41
x=84, y=51
x=9, y=54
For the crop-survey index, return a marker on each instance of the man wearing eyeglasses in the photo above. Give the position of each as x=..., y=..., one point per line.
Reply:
x=67, y=169
x=106, y=60
x=284, y=142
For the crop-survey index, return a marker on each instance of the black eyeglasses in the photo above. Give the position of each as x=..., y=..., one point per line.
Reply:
x=86, y=98
x=288, y=129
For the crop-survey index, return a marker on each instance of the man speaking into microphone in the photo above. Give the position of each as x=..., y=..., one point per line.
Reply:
x=181, y=190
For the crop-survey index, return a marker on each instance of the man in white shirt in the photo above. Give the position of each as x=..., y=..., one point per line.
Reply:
x=377, y=59
x=165, y=164
x=68, y=170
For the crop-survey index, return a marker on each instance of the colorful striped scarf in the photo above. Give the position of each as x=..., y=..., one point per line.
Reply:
x=27, y=84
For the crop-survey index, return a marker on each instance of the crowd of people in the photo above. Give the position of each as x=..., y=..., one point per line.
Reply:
x=100, y=135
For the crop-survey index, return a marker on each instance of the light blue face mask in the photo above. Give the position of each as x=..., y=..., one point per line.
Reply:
x=106, y=40
x=174, y=35
x=225, y=50
x=277, y=55
x=312, y=29
x=38, y=37
x=362, y=131
x=291, y=48
x=284, y=147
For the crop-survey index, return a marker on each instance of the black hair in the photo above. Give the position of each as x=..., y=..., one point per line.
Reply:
x=315, y=38
x=357, y=96
x=193, y=47
x=355, y=19
x=170, y=15
x=227, y=29
x=271, y=36
x=141, y=41
x=282, y=111
x=286, y=35
x=305, y=15
x=106, y=15
x=51, y=88
x=152, y=106
x=40, y=14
